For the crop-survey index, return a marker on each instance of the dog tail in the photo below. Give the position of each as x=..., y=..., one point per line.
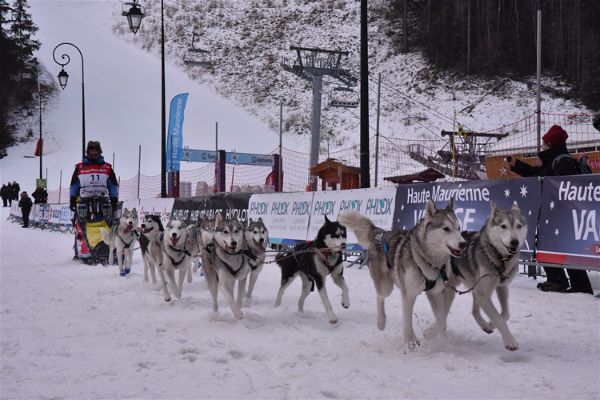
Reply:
x=360, y=225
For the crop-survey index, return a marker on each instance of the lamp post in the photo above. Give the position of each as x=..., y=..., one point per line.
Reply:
x=63, y=78
x=134, y=18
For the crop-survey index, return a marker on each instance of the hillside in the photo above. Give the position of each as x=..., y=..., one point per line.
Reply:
x=248, y=39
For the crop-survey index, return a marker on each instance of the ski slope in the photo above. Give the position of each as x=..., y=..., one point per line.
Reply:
x=71, y=331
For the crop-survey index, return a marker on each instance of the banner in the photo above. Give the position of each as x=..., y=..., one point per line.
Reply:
x=376, y=204
x=286, y=215
x=471, y=202
x=230, y=205
x=569, y=226
x=175, y=134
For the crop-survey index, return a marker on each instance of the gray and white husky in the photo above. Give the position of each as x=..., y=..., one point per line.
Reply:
x=175, y=256
x=490, y=262
x=152, y=231
x=122, y=237
x=256, y=236
x=313, y=262
x=415, y=260
x=230, y=262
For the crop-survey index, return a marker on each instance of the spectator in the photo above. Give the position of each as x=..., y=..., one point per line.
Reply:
x=554, y=146
x=15, y=190
x=9, y=193
x=94, y=177
x=40, y=195
x=4, y=195
x=25, y=204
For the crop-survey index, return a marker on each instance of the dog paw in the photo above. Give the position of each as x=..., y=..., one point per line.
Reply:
x=488, y=328
x=238, y=315
x=276, y=303
x=511, y=345
x=167, y=299
x=431, y=332
x=333, y=320
x=412, y=345
x=346, y=304
x=381, y=324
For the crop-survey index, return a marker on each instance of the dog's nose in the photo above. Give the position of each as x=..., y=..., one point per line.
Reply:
x=514, y=243
x=174, y=234
x=261, y=240
x=233, y=244
x=130, y=223
x=462, y=245
x=343, y=245
x=143, y=226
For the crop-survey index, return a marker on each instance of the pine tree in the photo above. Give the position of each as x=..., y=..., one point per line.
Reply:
x=22, y=31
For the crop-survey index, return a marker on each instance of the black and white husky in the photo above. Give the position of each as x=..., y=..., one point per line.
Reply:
x=123, y=238
x=256, y=236
x=416, y=260
x=175, y=256
x=230, y=262
x=313, y=262
x=152, y=231
x=490, y=263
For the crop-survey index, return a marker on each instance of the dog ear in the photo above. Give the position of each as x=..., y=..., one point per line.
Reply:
x=260, y=219
x=249, y=221
x=218, y=219
x=429, y=209
x=515, y=207
x=493, y=206
x=326, y=219
x=450, y=206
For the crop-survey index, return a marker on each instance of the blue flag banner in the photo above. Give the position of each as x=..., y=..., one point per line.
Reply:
x=175, y=133
x=471, y=202
x=569, y=227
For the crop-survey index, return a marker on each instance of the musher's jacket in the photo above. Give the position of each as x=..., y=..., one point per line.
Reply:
x=94, y=179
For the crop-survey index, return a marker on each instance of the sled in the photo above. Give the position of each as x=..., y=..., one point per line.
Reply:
x=93, y=214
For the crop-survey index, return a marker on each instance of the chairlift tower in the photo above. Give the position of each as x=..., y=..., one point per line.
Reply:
x=312, y=64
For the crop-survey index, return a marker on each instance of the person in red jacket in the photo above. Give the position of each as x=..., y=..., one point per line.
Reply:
x=94, y=177
x=554, y=163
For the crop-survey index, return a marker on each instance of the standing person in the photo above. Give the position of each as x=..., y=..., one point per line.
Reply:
x=4, y=195
x=25, y=204
x=16, y=189
x=40, y=196
x=554, y=163
x=9, y=193
x=94, y=177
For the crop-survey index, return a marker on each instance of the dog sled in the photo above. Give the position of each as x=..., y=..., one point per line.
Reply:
x=93, y=214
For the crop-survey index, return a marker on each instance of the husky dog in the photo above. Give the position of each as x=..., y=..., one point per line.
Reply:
x=206, y=248
x=152, y=228
x=122, y=237
x=415, y=260
x=256, y=235
x=230, y=262
x=175, y=256
x=313, y=262
x=490, y=263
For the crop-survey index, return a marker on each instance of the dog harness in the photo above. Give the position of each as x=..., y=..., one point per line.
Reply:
x=231, y=270
x=251, y=257
x=185, y=254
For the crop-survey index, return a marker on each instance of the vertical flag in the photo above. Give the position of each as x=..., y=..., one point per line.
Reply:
x=175, y=134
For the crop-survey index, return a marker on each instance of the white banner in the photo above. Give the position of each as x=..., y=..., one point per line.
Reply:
x=286, y=215
x=158, y=206
x=375, y=203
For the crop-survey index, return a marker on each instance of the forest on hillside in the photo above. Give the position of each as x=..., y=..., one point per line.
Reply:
x=498, y=38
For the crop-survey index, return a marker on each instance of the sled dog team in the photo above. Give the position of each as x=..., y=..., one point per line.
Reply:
x=432, y=257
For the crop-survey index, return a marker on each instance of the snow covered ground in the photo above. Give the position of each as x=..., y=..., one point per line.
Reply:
x=70, y=331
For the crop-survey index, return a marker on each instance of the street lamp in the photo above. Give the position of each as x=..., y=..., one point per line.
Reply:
x=134, y=16
x=63, y=77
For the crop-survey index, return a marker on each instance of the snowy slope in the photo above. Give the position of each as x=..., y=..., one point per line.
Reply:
x=122, y=99
x=72, y=331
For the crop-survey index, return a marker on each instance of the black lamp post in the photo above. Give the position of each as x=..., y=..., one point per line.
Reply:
x=63, y=77
x=134, y=18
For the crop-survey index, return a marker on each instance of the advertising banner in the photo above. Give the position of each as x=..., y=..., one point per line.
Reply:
x=286, y=215
x=377, y=204
x=471, y=202
x=569, y=226
x=175, y=133
x=230, y=205
x=159, y=206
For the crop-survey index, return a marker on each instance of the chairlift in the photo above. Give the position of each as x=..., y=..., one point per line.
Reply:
x=343, y=96
x=197, y=56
